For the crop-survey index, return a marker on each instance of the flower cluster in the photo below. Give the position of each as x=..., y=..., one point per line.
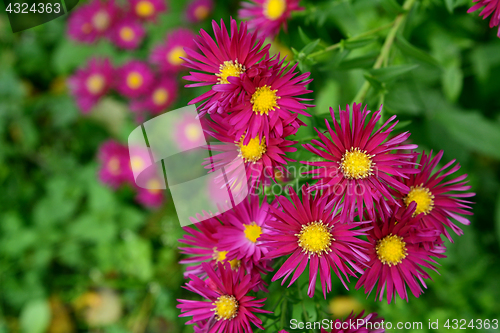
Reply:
x=116, y=170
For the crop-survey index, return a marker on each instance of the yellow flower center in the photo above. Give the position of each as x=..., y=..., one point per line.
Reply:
x=252, y=231
x=356, y=164
x=391, y=250
x=221, y=256
x=423, y=197
x=137, y=163
x=192, y=132
x=160, y=96
x=153, y=186
x=226, y=307
x=134, y=80
x=229, y=68
x=264, y=100
x=144, y=8
x=201, y=12
x=127, y=34
x=273, y=9
x=253, y=151
x=114, y=166
x=315, y=238
x=101, y=20
x=95, y=83
x=173, y=56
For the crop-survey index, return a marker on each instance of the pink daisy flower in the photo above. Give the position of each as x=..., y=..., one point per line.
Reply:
x=229, y=56
x=134, y=79
x=80, y=26
x=397, y=255
x=268, y=16
x=169, y=56
x=491, y=7
x=312, y=234
x=89, y=84
x=267, y=102
x=359, y=165
x=357, y=324
x=147, y=10
x=245, y=225
x=102, y=15
x=151, y=197
x=438, y=201
x=188, y=133
x=261, y=157
x=127, y=34
x=115, y=167
x=199, y=10
x=161, y=96
x=228, y=308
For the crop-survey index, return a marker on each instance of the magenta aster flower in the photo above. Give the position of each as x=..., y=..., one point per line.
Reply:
x=199, y=10
x=491, y=7
x=228, y=308
x=261, y=158
x=89, y=84
x=360, y=165
x=134, y=79
x=267, y=16
x=438, y=201
x=229, y=56
x=169, y=56
x=397, y=254
x=357, y=324
x=102, y=15
x=188, y=133
x=245, y=225
x=268, y=101
x=115, y=167
x=151, y=197
x=161, y=96
x=147, y=10
x=80, y=26
x=312, y=234
x=127, y=34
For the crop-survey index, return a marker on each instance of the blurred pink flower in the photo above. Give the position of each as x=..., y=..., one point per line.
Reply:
x=127, y=33
x=168, y=56
x=115, y=163
x=134, y=79
x=162, y=95
x=147, y=9
x=199, y=10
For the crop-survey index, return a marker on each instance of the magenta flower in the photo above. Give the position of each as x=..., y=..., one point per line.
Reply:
x=199, y=10
x=491, y=7
x=89, y=84
x=359, y=165
x=398, y=255
x=267, y=16
x=228, y=308
x=188, y=133
x=115, y=165
x=312, y=234
x=169, y=55
x=245, y=225
x=127, y=34
x=232, y=55
x=152, y=197
x=80, y=27
x=261, y=158
x=147, y=10
x=134, y=79
x=438, y=202
x=357, y=324
x=161, y=96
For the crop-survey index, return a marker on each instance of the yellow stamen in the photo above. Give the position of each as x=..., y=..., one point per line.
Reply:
x=264, y=100
x=127, y=34
x=144, y=8
x=229, y=68
x=160, y=96
x=226, y=307
x=423, y=197
x=101, y=20
x=221, y=256
x=134, y=80
x=252, y=231
x=137, y=163
x=315, y=238
x=174, y=55
x=391, y=250
x=356, y=164
x=193, y=132
x=95, y=83
x=201, y=12
x=273, y=9
x=253, y=151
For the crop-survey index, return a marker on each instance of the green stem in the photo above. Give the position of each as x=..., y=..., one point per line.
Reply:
x=386, y=48
x=364, y=34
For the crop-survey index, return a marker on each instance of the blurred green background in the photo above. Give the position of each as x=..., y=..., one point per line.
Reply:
x=76, y=256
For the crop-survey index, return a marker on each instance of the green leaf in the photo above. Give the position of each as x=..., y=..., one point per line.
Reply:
x=497, y=218
x=365, y=61
x=303, y=36
x=414, y=52
x=452, y=80
x=35, y=316
x=329, y=96
x=358, y=43
x=388, y=73
x=450, y=5
x=376, y=84
x=392, y=6
x=309, y=47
